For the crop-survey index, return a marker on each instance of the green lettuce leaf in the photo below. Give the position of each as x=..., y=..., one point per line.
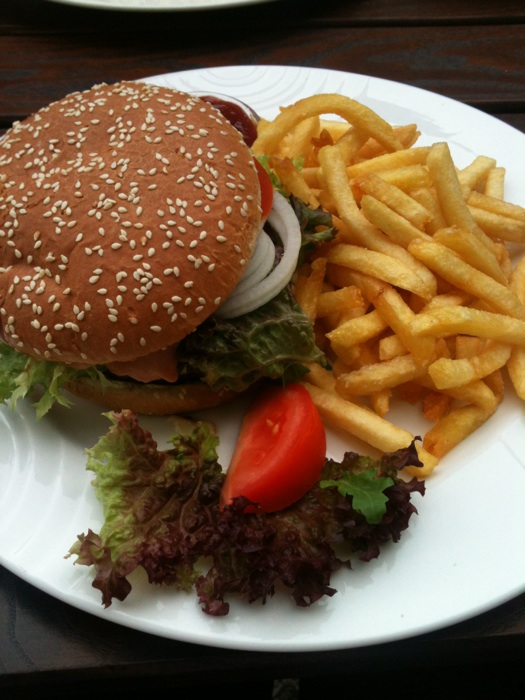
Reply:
x=316, y=227
x=156, y=505
x=367, y=490
x=12, y=365
x=271, y=342
x=21, y=376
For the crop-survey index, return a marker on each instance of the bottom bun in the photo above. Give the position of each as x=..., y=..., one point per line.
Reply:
x=149, y=399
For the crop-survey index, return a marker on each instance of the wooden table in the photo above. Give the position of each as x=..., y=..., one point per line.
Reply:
x=473, y=52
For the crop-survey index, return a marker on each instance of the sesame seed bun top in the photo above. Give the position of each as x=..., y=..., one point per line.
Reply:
x=127, y=215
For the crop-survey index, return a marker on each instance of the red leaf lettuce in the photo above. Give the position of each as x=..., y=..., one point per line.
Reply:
x=161, y=513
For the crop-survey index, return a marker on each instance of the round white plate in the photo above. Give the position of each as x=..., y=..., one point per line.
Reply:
x=463, y=554
x=152, y=5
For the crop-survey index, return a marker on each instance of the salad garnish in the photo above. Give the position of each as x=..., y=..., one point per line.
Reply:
x=162, y=514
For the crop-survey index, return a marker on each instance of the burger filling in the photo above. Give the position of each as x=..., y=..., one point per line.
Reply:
x=160, y=365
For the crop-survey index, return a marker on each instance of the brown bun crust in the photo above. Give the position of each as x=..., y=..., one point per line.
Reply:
x=150, y=399
x=127, y=215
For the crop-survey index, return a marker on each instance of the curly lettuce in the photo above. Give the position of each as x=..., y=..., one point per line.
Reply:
x=162, y=514
x=274, y=341
x=44, y=382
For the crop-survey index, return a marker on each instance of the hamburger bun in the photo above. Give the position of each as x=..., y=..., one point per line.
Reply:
x=149, y=399
x=128, y=213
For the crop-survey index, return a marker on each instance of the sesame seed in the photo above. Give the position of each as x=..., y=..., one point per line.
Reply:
x=113, y=193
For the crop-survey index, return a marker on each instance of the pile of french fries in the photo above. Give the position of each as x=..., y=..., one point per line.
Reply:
x=417, y=298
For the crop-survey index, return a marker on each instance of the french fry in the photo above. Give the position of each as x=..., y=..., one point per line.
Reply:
x=468, y=346
x=408, y=178
x=406, y=134
x=347, y=354
x=312, y=176
x=339, y=301
x=379, y=376
x=435, y=405
x=381, y=266
x=321, y=377
x=380, y=401
x=293, y=180
x=496, y=384
x=499, y=226
x=472, y=175
x=358, y=330
x=389, y=161
x=477, y=393
x=366, y=425
x=395, y=198
x=398, y=315
x=299, y=139
x=338, y=185
x=461, y=274
x=390, y=346
x=450, y=320
x=452, y=429
x=447, y=372
x=336, y=128
x=495, y=183
x=350, y=144
x=456, y=298
x=450, y=194
x=516, y=363
x=357, y=114
x=427, y=196
x=308, y=287
x=497, y=206
x=466, y=245
x=396, y=226
x=503, y=256
x=517, y=280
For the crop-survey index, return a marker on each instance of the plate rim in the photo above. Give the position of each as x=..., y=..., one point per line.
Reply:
x=159, y=5
x=275, y=646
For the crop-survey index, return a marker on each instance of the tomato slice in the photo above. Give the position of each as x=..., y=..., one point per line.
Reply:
x=280, y=451
x=266, y=190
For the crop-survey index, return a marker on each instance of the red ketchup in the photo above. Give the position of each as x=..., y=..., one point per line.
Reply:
x=236, y=114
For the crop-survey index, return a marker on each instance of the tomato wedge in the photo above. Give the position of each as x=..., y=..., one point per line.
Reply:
x=280, y=451
x=266, y=190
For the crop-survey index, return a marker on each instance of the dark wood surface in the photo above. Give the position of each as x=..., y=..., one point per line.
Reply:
x=471, y=51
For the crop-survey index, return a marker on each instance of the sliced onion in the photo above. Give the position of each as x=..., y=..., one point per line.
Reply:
x=260, y=265
x=249, y=296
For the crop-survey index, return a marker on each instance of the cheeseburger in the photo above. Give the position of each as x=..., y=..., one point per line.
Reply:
x=133, y=247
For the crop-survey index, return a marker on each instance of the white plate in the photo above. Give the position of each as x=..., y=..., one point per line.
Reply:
x=463, y=554
x=152, y=5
